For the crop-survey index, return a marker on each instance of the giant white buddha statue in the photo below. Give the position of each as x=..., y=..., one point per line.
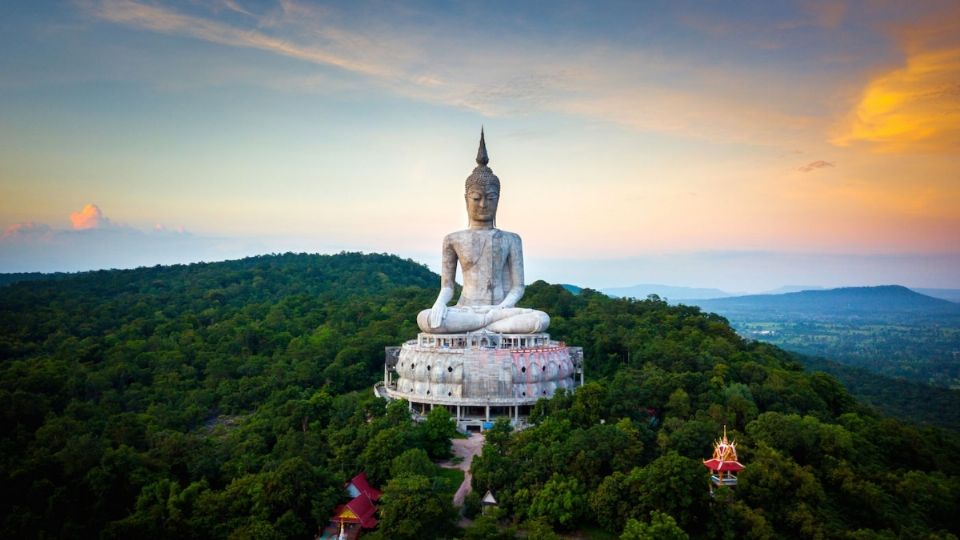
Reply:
x=492, y=264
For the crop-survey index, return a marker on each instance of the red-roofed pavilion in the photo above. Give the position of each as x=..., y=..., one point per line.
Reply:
x=723, y=464
x=357, y=514
x=359, y=485
x=359, y=510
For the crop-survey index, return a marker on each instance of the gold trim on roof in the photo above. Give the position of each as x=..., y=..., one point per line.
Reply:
x=723, y=449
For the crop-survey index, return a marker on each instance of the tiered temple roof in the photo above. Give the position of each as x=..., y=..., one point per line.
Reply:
x=361, y=508
x=359, y=484
x=724, y=456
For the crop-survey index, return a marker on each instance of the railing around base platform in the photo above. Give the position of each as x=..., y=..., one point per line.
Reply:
x=724, y=481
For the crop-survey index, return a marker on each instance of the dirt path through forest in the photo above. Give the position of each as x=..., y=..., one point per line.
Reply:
x=465, y=448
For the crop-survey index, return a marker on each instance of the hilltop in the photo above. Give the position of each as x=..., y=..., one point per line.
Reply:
x=865, y=302
x=16, y=277
x=233, y=400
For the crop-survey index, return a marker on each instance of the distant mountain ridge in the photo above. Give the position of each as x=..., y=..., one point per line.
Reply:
x=669, y=292
x=793, y=288
x=885, y=299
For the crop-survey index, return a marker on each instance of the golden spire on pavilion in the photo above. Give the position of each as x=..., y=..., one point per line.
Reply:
x=724, y=450
x=723, y=465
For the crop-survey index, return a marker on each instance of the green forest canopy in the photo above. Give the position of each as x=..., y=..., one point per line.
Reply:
x=233, y=400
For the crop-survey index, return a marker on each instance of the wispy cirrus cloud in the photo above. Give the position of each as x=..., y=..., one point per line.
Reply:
x=458, y=65
x=170, y=21
x=233, y=6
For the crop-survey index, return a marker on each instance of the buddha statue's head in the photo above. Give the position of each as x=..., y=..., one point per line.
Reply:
x=482, y=191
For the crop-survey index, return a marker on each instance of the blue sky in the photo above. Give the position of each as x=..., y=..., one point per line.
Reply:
x=658, y=138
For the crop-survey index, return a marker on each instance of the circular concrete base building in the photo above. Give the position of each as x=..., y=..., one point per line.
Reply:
x=479, y=376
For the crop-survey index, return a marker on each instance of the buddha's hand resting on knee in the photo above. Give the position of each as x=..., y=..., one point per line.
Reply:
x=437, y=313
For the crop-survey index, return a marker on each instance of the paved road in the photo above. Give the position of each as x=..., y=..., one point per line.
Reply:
x=465, y=448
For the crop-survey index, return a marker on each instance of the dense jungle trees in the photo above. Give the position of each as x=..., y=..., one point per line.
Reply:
x=233, y=399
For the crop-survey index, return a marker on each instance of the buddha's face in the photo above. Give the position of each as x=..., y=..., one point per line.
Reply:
x=482, y=204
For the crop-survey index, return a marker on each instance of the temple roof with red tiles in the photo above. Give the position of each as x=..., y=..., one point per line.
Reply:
x=360, y=485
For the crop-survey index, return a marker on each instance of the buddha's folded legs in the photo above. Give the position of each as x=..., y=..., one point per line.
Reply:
x=456, y=321
x=504, y=321
x=518, y=321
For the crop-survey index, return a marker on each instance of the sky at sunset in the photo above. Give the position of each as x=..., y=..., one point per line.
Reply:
x=742, y=146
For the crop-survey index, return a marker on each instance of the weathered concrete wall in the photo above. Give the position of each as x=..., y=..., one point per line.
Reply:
x=484, y=374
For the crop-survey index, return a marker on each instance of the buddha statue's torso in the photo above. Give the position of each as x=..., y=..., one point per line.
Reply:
x=485, y=257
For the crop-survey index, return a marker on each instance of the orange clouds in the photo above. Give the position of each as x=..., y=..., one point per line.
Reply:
x=23, y=229
x=915, y=108
x=89, y=218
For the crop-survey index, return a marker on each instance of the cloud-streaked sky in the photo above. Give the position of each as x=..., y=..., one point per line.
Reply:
x=820, y=138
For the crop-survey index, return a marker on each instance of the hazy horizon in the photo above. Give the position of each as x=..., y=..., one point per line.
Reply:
x=689, y=270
